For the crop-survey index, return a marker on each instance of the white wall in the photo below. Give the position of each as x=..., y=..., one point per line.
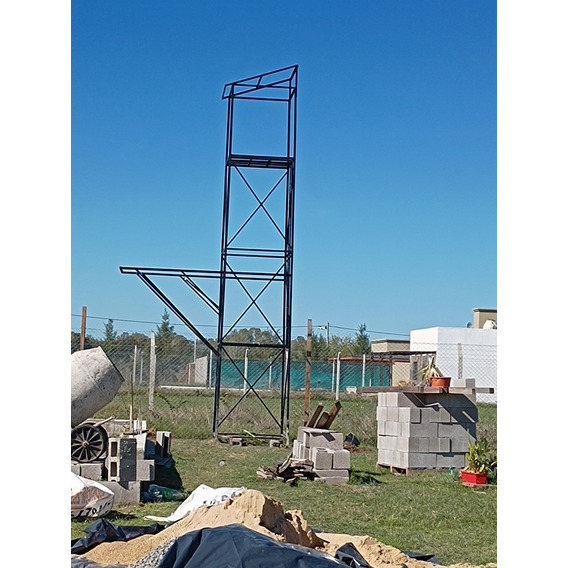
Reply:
x=478, y=350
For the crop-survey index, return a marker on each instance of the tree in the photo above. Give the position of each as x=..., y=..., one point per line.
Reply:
x=165, y=329
x=110, y=334
x=362, y=344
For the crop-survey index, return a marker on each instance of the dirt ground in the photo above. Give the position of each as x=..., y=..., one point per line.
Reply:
x=265, y=515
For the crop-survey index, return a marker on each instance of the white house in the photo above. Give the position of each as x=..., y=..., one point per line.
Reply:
x=464, y=353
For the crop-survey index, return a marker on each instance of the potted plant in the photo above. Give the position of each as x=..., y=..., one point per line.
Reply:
x=480, y=461
x=432, y=376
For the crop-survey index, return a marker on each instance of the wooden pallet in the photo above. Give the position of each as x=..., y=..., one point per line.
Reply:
x=402, y=470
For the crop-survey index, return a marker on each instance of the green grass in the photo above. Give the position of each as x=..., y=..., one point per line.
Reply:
x=431, y=513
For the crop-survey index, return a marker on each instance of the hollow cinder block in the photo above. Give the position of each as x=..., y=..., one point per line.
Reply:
x=319, y=438
x=332, y=473
x=450, y=460
x=163, y=443
x=121, y=459
x=341, y=459
x=145, y=470
x=322, y=458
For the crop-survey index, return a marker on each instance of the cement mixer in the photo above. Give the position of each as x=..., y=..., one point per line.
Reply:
x=94, y=383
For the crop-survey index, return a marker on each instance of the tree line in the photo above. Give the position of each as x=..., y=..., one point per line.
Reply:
x=170, y=343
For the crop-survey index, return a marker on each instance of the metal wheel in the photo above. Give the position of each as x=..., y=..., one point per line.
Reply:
x=88, y=442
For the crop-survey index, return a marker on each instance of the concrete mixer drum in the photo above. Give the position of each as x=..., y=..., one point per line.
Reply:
x=95, y=380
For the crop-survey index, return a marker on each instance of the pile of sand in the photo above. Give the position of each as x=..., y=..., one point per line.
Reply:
x=263, y=515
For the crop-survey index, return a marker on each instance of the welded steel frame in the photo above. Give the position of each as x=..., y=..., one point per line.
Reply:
x=280, y=87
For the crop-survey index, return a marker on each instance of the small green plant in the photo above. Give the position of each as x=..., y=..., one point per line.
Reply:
x=479, y=458
x=430, y=370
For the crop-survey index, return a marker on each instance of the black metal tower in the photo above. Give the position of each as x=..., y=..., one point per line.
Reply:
x=269, y=251
x=257, y=244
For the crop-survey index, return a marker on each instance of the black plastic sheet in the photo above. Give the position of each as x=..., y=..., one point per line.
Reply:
x=105, y=531
x=236, y=546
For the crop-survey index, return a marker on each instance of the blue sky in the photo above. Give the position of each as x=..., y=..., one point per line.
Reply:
x=396, y=180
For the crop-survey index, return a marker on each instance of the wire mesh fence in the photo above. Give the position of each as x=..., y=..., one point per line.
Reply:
x=171, y=378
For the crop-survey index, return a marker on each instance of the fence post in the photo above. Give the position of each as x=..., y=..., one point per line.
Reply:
x=152, y=381
x=363, y=372
x=332, y=374
x=245, y=381
x=337, y=378
x=83, y=328
x=141, y=367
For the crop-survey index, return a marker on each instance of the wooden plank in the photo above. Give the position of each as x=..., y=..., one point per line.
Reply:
x=312, y=421
x=322, y=420
x=332, y=414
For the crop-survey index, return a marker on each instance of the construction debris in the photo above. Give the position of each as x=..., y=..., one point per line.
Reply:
x=288, y=471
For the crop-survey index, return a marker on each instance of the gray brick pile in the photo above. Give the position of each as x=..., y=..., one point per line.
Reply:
x=324, y=449
x=126, y=463
x=417, y=431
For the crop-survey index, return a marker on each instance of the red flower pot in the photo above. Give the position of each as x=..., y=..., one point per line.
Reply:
x=443, y=382
x=473, y=478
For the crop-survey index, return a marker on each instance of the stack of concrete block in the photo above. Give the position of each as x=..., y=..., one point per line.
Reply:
x=417, y=431
x=125, y=466
x=324, y=449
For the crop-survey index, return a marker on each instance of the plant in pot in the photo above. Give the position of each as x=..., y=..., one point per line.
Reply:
x=432, y=376
x=480, y=461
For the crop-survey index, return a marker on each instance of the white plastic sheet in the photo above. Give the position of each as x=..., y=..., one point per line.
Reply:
x=89, y=498
x=202, y=496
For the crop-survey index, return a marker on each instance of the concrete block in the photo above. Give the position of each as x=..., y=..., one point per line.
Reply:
x=456, y=430
x=302, y=435
x=92, y=471
x=385, y=457
x=332, y=473
x=121, y=459
x=447, y=400
x=407, y=414
x=76, y=468
x=438, y=445
x=421, y=460
x=381, y=427
x=450, y=460
x=145, y=470
x=296, y=449
x=424, y=430
x=125, y=492
x=393, y=428
x=387, y=442
x=463, y=383
x=382, y=399
x=412, y=444
x=440, y=414
x=392, y=413
x=318, y=438
x=163, y=443
x=382, y=412
x=465, y=415
x=459, y=445
x=399, y=400
x=322, y=458
x=341, y=459
x=140, y=445
x=400, y=459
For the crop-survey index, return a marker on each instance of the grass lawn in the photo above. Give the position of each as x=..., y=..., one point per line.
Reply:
x=430, y=513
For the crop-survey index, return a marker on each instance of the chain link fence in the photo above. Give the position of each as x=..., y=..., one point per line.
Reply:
x=170, y=378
